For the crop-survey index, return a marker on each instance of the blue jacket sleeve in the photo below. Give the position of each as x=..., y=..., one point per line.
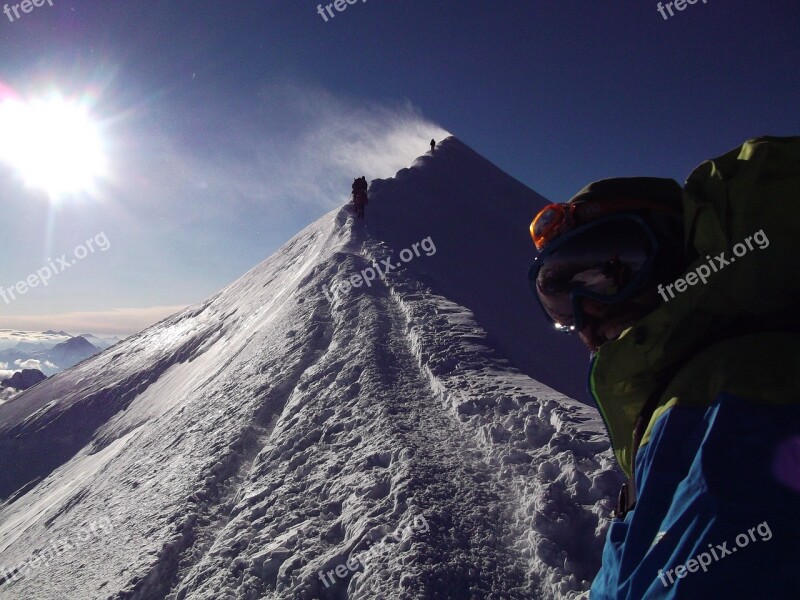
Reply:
x=718, y=512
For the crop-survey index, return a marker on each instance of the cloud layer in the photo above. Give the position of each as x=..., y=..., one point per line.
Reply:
x=118, y=321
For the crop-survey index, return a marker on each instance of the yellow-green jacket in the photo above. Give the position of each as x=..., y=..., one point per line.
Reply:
x=719, y=460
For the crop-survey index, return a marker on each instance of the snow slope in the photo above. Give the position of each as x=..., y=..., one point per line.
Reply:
x=280, y=441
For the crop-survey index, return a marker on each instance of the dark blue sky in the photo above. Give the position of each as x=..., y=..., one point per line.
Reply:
x=231, y=125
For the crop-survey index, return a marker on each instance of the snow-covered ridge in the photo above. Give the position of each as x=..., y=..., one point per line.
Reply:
x=550, y=451
x=255, y=444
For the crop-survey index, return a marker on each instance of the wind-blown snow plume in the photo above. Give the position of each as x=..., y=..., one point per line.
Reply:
x=337, y=140
x=259, y=161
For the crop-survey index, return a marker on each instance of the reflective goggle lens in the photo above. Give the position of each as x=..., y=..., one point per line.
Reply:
x=550, y=221
x=607, y=261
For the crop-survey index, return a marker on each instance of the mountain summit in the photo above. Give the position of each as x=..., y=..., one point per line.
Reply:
x=353, y=418
x=72, y=351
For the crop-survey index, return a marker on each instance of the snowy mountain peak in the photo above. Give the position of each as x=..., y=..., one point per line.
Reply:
x=77, y=342
x=478, y=216
x=346, y=420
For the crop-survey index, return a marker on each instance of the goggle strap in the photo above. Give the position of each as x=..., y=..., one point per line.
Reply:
x=570, y=215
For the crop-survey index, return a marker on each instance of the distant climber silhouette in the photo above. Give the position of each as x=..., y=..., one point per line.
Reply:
x=433, y=145
x=360, y=198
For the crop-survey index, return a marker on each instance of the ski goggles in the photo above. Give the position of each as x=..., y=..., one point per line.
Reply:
x=608, y=260
x=556, y=219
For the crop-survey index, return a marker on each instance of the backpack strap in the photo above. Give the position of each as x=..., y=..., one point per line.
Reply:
x=627, y=494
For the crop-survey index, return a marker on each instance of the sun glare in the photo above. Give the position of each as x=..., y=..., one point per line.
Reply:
x=53, y=144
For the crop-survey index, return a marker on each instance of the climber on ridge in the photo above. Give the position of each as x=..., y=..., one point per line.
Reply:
x=360, y=198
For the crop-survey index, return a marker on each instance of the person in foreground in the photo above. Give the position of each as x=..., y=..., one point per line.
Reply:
x=689, y=300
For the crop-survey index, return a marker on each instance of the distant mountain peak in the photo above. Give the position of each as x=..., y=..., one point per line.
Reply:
x=77, y=342
x=24, y=379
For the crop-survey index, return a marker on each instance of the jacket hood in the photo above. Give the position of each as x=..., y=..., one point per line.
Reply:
x=750, y=192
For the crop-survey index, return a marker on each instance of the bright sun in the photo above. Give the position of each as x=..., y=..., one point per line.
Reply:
x=53, y=144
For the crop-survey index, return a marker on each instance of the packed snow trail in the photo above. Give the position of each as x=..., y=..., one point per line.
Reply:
x=376, y=444
x=241, y=447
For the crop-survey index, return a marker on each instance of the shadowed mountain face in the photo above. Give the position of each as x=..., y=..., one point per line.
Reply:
x=479, y=218
x=289, y=438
